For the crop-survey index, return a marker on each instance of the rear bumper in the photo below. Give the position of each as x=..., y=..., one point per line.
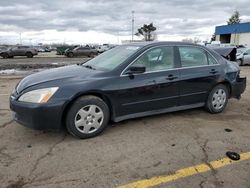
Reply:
x=238, y=87
x=37, y=116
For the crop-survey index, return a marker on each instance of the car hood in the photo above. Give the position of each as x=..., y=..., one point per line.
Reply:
x=61, y=73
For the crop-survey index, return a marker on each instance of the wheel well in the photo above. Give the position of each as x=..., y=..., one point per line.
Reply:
x=99, y=95
x=228, y=85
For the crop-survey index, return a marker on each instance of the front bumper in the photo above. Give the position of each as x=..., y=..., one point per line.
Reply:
x=38, y=116
x=238, y=87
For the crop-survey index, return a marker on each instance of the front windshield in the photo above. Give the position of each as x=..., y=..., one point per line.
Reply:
x=111, y=59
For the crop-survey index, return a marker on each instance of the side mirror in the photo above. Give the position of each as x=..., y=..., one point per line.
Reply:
x=136, y=69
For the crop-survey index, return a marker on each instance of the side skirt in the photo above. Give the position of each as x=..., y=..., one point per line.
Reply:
x=161, y=111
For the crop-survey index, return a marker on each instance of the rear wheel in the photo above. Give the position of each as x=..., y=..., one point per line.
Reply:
x=29, y=55
x=70, y=54
x=87, y=117
x=217, y=99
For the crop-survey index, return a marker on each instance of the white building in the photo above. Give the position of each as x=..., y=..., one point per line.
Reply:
x=236, y=34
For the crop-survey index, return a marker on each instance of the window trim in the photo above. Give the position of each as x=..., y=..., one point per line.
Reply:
x=202, y=50
x=179, y=58
x=124, y=70
x=159, y=47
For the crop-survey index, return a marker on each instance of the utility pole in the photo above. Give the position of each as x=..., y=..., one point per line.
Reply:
x=118, y=38
x=133, y=22
x=20, y=38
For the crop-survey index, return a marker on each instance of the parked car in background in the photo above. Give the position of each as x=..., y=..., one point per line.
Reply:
x=81, y=51
x=60, y=50
x=3, y=49
x=43, y=49
x=19, y=51
x=128, y=81
x=243, y=56
x=103, y=48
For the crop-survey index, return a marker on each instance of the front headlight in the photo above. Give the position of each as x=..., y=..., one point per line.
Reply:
x=39, y=95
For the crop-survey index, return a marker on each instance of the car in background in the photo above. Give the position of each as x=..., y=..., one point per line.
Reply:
x=129, y=81
x=43, y=49
x=2, y=48
x=19, y=51
x=103, y=48
x=243, y=56
x=81, y=51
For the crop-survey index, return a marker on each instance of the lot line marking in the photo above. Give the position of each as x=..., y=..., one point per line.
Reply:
x=2, y=94
x=185, y=172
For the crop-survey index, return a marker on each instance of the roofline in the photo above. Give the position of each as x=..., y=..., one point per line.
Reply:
x=233, y=28
x=153, y=43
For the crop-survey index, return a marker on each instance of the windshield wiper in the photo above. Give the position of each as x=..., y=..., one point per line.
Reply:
x=89, y=67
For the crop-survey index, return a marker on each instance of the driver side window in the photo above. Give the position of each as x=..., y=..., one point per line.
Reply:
x=160, y=58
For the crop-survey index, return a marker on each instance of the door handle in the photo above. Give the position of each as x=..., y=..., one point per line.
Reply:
x=213, y=71
x=171, y=77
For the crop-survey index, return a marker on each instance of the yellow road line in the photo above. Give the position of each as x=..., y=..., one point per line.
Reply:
x=185, y=172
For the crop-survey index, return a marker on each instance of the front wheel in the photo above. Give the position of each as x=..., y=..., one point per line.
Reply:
x=87, y=117
x=217, y=99
x=5, y=55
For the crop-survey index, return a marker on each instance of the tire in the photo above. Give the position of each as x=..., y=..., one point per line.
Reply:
x=70, y=54
x=217, y=99
x=29, y=55
x=240, y=62
x=92, y=115
x=5, y=55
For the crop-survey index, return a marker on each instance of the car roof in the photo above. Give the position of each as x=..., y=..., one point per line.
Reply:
x=153, y=43
x=23, y=46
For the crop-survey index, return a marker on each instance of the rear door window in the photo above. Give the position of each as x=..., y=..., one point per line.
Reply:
x=192, y=56
x=211, y=60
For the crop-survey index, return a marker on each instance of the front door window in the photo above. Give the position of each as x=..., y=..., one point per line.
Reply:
x=157, y=59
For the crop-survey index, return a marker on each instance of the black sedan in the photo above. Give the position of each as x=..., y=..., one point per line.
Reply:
x=126, y=82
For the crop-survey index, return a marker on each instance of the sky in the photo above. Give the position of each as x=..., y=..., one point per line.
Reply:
x=109, y=21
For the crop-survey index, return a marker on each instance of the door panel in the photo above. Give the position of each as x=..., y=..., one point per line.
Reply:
x=155, y=89
x=199, y=73
x=247, y=57
x=147, y=92
x=19, y=51
x=196, y=82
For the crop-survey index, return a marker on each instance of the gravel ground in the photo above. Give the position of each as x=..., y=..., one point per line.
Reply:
x=127, y=151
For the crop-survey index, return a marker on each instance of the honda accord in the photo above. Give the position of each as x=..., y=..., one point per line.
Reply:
x=129, y=81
